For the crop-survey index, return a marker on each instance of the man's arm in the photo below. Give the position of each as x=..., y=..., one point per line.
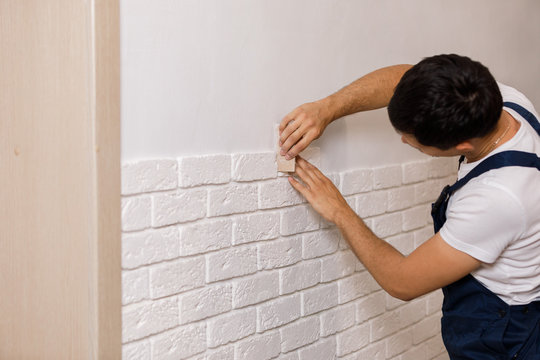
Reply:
x=372, y=91
x=432, y=265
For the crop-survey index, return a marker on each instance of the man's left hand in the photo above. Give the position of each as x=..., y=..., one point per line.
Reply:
x=320, y=192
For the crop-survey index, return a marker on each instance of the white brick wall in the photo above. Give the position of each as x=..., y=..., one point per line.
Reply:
x=223, y=260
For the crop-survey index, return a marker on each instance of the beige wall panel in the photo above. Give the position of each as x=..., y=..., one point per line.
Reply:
x=56, y=287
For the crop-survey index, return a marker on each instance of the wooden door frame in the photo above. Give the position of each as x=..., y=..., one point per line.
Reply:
x=108, y=331
x=60, y=231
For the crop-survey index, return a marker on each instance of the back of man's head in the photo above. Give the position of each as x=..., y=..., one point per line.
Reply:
x=444, y=100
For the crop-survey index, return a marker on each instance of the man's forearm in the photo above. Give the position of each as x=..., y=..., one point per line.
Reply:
x=381, y=259
x=372, y=91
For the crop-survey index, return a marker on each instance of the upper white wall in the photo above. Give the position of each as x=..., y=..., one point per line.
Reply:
x=212, y=76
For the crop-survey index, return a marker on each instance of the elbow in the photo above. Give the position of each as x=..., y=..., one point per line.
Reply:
x=401, y=296
x=403, y=293
x=403, y=286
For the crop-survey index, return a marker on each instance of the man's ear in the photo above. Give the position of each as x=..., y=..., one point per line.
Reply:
x=465, y=146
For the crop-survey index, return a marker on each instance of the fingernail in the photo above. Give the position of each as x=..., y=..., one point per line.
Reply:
x=282, y=152
x=288, y=157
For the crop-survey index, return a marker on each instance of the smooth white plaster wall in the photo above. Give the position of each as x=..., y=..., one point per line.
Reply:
x=214, y=76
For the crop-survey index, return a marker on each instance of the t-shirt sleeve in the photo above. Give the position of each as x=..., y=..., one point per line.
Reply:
x=484, y=222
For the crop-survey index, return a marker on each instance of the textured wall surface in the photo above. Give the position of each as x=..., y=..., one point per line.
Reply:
x=222, y=259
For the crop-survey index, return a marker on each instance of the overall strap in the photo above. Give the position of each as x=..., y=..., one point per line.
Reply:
x=497, y=161
x=526, y=114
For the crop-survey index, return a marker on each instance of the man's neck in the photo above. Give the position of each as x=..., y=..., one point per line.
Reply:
x=505, y=129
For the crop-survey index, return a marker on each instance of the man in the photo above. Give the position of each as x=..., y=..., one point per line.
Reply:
x=485, y=253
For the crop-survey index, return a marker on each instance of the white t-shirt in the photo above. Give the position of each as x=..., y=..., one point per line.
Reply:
x=495, y=217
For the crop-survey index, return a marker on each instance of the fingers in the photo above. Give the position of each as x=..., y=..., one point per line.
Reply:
x=300, y=145
x=299, y=187
x=306, y=166
x=300, y=127
x=294, y=131
x=311, y=176
x=290, y=127
x=287, y=119
x=304, y=174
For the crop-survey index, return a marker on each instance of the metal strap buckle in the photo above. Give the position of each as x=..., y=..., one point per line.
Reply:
x=442, y=198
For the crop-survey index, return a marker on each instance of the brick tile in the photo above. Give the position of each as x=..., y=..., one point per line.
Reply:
x=221, y=353
x=259, y=347
x=356, y=286
x=279, y=253
x=384, y=325
x=371, y=204
x=416, y=217
x=415, y=171
x=256, y=227
x=370, y=306
x=300, y=333
x=427, y=191
x=255, y=289
x=352, y=339
x=387, y=225
x=386, y=177
x=176, y=276
x=321, y=350
x=230, y=263
x=202, y=170
x=254, y=166
x=278, y=312
x=442, y=166
x=139, y=350
x=337, y=319
x=320, y=298
x=205, y=236
x=400, y=198
x=149, y=175
x=147, y=318
x=179, y=343
x=136, y=213
x=135, y=286
x=148, y=247
x=177, y=207
x=398, y=343
x=337, y=265
x=299, y=219
x=232, y=199
x=426, y=329
x=204, y=303
x=231, y=327
x=374, y=351
x=278, y=193
x=356, y=181
x=300, y=276
x=320, y=243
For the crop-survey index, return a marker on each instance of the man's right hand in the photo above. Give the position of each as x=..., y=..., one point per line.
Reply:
x=307, y=122
x=301, y=126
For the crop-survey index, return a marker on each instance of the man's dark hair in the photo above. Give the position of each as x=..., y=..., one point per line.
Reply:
x=444, y=100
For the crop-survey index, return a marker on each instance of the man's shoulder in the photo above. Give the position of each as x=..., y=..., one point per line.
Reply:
x=510, y=94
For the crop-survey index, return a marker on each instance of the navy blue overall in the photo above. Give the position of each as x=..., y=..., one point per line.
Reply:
x=476, y=323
